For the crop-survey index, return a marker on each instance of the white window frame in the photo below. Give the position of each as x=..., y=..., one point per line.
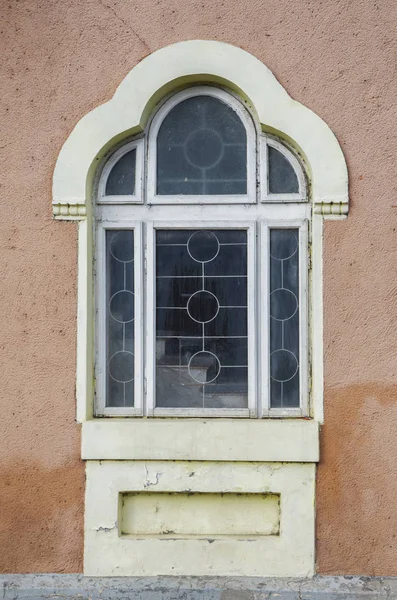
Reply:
x=250, y=127
x=266, y=196
x=137, y=198
x=101, y=333
x=263, y=218
x=264, y=261
x=274, y=210
x=151, y=409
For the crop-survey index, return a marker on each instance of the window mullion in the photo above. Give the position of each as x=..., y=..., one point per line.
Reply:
x=252, y=320
x=303, y=318
x=150, y=271
x=264, y=317
x=100, y=333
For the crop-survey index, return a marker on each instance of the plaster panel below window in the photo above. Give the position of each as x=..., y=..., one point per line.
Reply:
x=287, y=550
x=194, y=514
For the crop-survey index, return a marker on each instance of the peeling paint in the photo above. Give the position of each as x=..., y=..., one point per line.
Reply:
x=151, y=482
x=155, y=536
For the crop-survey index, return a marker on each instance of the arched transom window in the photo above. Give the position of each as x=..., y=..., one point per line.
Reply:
x=202, y=267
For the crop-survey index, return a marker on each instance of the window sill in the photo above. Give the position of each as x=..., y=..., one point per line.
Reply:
x=200, y=439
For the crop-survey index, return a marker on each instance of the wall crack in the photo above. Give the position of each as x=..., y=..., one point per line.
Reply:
x=145, y=45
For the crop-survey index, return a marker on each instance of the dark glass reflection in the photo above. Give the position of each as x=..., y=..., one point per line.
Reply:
x=282, y=177
x=121, y=180
x=202, y=149
x=284, y=318
x=120, y=317
x=201, y=319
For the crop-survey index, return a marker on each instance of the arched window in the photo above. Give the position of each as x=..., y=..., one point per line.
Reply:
x=203, y=146
x=198, y=212
x=209, y=273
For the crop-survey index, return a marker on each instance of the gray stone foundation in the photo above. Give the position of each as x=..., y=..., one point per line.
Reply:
x=57, y=587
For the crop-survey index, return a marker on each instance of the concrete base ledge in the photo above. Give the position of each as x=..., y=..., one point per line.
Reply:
x=55, y=587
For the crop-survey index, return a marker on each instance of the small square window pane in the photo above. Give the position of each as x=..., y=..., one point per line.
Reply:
x=120, y=314
x=284, y=318
x=201, y=319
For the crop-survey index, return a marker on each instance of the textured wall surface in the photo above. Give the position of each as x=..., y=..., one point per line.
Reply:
x=61, y=59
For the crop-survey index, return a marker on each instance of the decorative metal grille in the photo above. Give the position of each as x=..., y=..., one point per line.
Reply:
x=201, y=318
x=120, y=317
x=202, y=149
x=284, y=318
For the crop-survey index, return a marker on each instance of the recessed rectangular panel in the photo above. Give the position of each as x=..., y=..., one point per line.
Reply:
x=201, y=319
x=199, y=514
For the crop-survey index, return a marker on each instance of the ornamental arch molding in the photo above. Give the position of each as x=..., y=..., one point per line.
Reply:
x=185, y=63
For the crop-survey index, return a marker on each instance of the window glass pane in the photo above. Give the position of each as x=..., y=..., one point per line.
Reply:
x=202, y=149
x=120, y=317
x=284, y=318
x=121, y=180
x=201, y=318
x=282, y=177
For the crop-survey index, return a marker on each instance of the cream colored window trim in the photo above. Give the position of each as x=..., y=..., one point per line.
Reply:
x=194, y=61
x=201, y=439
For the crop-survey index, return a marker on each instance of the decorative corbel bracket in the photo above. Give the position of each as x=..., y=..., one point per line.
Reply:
x=331, y=209
x=69, y=212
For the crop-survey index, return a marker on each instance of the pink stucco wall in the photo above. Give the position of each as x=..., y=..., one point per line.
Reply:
x=59, y=60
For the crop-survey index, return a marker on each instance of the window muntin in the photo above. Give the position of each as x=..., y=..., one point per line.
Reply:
x=242, y=395
x=284, y=347
x=222, y=396
x=120, y=317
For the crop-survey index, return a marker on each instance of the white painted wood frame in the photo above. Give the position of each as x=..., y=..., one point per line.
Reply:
x=150, y=268
x=266, y=196
x=280, y=215
x=137, y=197
x=304, y=409
x=101, y=408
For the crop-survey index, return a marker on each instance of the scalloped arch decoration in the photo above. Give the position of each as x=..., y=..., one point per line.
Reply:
x=188, y=62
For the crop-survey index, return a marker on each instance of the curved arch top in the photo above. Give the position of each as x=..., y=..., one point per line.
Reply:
x=236, y=116
x=198, y=61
